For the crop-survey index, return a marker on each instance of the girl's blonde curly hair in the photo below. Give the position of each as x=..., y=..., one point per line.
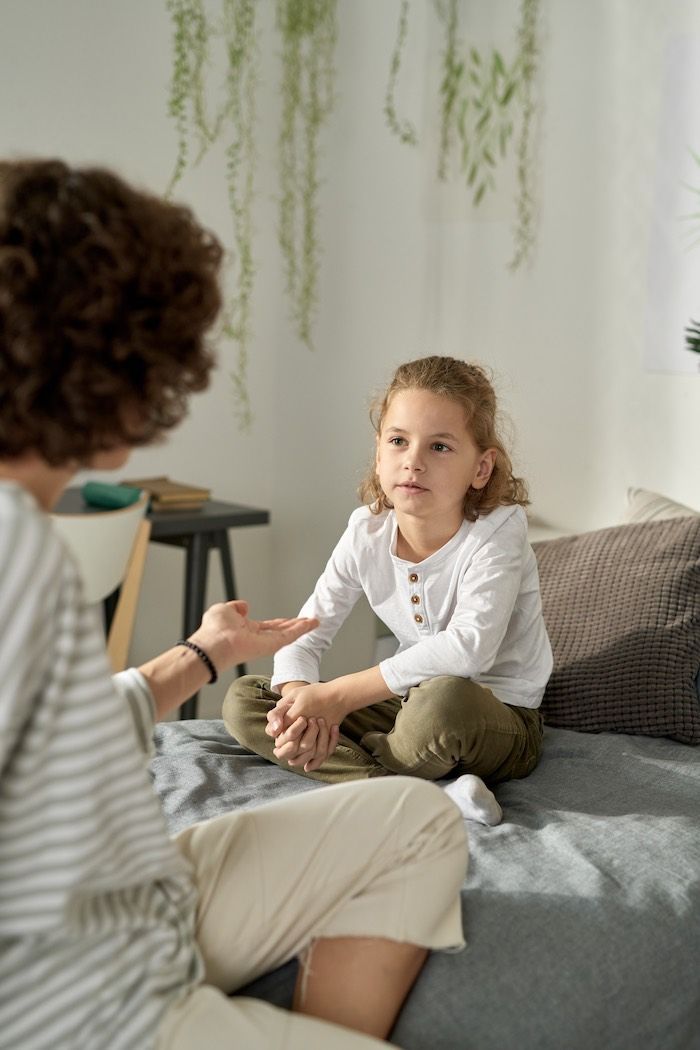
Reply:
x=469, y=386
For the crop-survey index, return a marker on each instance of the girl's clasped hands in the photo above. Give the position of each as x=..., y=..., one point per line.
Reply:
x=303, y=738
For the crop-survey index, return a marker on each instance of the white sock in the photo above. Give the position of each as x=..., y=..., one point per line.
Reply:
x=474, y=800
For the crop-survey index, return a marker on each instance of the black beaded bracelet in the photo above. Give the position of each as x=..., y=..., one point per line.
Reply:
x=202, y=656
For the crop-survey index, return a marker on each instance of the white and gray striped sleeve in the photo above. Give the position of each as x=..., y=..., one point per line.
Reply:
x=30, y=557
x=134, y=691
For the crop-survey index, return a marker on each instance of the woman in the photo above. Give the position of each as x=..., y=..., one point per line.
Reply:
x=111, y=934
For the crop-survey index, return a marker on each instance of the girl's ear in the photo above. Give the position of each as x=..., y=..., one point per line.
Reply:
x=484, y=468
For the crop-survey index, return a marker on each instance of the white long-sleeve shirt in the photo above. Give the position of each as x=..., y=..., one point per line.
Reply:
x=97, y=905
x=472, y=609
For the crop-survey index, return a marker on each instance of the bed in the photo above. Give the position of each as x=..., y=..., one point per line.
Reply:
x=582, y=909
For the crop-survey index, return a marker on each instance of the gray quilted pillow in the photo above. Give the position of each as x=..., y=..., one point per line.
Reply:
x=622, y=608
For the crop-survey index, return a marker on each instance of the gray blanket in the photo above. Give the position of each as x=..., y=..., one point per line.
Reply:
x=581, y=910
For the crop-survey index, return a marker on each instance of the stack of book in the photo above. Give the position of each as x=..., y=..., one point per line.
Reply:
x=171, y=495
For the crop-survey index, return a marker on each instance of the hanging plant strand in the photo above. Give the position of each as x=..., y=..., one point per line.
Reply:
x=291, y=102
x=186, y=106
x=452, y=73
x=308, y=30
x=241, y=84
x=403, y=129
x=485, y=121
x=307, y=297
x=528, y=54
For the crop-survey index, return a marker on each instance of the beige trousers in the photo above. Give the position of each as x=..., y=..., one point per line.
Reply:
x=381, y=859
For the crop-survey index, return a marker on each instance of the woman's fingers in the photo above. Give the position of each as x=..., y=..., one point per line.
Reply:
x=283, y=624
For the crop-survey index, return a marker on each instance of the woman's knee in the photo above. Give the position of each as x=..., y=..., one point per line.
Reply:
x=425, y=806
x=436, y=825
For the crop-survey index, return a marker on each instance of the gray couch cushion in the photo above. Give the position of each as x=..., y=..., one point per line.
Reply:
x=622, y=607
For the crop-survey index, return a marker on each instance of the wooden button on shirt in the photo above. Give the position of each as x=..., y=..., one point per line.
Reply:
x=418, y=618
x=413, y=577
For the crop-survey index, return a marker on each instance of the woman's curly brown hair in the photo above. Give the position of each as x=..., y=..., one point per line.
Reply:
x=106, y=294
x=469, y=386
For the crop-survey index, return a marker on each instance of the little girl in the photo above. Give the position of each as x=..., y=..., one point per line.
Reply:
x=441, y=552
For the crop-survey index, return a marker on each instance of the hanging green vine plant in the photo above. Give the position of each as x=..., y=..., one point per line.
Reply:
x=481, y=96
x=452, y=73
x=241, y=83
x=308, y=29
x=527, y=60
x=403, y=129
x=483, y=99
x=193, y=33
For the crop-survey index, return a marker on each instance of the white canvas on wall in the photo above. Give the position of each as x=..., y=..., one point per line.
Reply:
x=674, y=246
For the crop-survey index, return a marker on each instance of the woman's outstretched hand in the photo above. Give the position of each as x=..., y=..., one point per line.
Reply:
x=228, y=638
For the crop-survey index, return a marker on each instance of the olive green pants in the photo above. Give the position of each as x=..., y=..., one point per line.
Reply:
x=445, y=726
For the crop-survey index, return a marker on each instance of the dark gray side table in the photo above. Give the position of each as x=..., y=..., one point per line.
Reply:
x=197, y=531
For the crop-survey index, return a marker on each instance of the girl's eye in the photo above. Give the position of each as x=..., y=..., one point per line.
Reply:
x=439, y=447
x=396, y=441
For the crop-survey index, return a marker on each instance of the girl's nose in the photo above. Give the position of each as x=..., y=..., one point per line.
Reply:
x=414, y=460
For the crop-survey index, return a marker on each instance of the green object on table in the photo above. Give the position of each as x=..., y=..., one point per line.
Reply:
x=102, y=494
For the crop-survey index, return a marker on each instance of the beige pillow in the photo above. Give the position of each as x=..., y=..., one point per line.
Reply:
x=643, y=505
x=622, y=608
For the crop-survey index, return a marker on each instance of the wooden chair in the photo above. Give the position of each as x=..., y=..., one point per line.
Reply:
x=110, y=549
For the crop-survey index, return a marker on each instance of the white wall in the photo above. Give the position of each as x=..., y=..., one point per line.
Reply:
x=408, y=268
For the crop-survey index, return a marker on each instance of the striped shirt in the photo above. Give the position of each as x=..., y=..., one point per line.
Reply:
x=97, y=905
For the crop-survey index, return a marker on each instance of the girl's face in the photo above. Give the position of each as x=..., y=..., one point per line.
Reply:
x=427, y=459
